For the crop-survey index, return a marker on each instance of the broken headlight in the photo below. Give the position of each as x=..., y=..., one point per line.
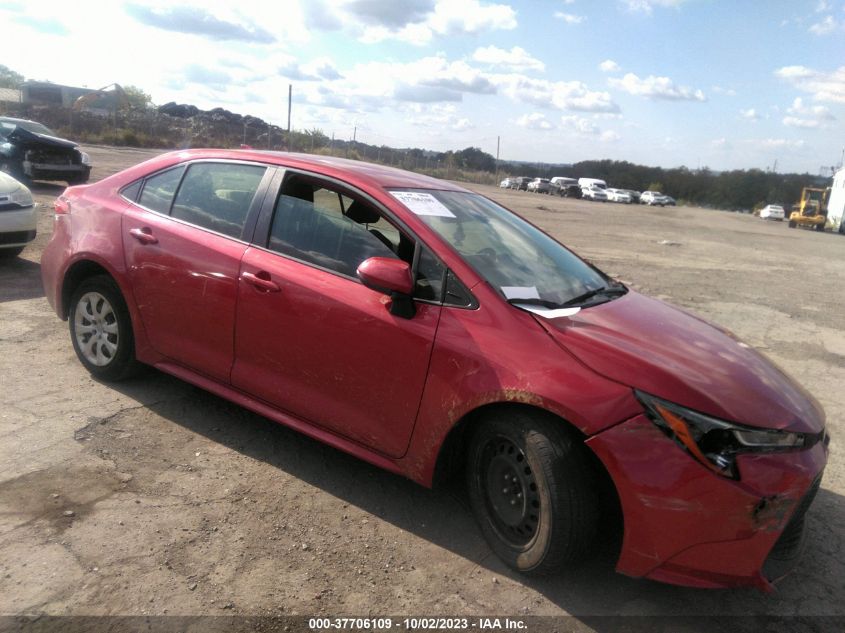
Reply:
x=716, y=443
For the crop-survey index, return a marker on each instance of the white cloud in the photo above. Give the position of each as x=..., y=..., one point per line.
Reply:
x=656, y=88
x=720, y=143
x=562, y=95
x=823, y=5
x=822, y=85
x=516, y=58
x=415, y=22
x=780, y=143
x=569, y=18
x=647, y=6
x=828, y=25
x=609, y=66
x=750, y=114
x=534, y=121
x=586, y=128
x=808, y=117
x=721, y=90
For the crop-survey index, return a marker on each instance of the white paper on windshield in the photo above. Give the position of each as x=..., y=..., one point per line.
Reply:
x=422, y=203
x=520, y=292
x=548, y=313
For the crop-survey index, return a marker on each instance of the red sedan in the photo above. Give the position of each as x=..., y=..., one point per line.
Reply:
x=428, y=330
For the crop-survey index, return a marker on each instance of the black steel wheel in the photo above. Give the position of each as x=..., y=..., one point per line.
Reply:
x=533, y=490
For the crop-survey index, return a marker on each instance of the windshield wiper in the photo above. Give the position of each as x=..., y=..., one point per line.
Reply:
x=551, y=305
x=618, y=289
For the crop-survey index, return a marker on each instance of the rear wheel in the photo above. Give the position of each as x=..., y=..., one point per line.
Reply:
x=792, y=224
x=533, y=491
x=820, y=227
x=101, y=329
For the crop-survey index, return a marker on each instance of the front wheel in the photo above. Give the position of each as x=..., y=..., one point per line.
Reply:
x=101, y=329
x=533, y=491
x=792, y=224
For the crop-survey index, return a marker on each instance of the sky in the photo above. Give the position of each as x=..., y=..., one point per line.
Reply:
x=724, y=84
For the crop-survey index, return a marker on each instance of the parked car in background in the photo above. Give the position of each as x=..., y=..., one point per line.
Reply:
x=520, y=183
x=31, y=151
x=593, y=192
x=566, y=187
x=772, y=212
x=597, y=182
x=505, y=184
x=635, y=195
x=618, y=195
x=17, y=216
x=397, y=317
x=669, y=200
x=653, y=198
x=540, y=185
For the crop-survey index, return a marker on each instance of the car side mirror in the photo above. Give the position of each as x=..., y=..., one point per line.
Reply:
x=391, y=277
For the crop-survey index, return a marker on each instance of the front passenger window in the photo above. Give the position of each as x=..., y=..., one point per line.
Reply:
x=328, y=229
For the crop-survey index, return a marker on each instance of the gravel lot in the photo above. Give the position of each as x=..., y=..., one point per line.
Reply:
x=153, y=497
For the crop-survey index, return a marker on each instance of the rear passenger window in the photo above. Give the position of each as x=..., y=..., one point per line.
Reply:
x=159, y=189
x=130, y=192
x=217, y=196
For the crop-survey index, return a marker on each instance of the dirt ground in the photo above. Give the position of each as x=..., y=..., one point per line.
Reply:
x=154, y=497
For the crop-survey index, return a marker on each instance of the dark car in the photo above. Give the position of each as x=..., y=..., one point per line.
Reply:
x=520, y=183
x=430, y=331
x=31, y=151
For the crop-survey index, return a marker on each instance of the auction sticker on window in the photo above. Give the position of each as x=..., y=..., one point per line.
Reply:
x=422, y=203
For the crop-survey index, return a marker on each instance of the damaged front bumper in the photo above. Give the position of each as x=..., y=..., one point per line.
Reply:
x=685, y=525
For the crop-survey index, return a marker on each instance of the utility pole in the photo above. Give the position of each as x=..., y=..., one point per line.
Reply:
x=498, y=138
x=290, y=99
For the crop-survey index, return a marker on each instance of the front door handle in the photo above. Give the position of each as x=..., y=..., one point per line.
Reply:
x=144, y=235
x=261, y=280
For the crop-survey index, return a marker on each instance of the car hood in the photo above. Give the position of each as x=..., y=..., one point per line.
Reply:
x=26, y=138
x=9, y=185
x=669, y=353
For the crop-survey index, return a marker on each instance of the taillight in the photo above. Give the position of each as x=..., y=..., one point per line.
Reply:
x=62, y=206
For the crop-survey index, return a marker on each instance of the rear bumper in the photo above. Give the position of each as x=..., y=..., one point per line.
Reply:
x=685, y=525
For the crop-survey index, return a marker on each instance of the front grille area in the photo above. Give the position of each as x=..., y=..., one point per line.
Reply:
x=17, y=237
x=787, y=549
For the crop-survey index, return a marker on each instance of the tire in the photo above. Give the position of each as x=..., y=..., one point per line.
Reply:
x=792, y=224
x=554, y=520
x=98, y=311
x=9, y=253
x=820, y=227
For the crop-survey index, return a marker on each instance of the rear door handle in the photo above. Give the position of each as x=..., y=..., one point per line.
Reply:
x=145, y=235
x=261, y=281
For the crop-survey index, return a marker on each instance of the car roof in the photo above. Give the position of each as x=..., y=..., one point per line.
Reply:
x=332, y=166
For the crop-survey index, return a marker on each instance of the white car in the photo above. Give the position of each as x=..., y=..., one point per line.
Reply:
x=772, y=212
x=593, y=192
x=619, y=195
x=505, y=184
x=653, y=198
x=17, y=216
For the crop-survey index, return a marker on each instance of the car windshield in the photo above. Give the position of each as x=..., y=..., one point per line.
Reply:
x=519, y=260
x=7, y=126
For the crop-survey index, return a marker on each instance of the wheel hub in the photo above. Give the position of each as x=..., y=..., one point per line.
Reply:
x=511, y=491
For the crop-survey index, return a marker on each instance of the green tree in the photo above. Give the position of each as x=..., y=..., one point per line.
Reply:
x=137, y=98
x=9, y=78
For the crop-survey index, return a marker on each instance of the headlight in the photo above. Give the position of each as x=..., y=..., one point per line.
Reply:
x=85, y=158
x=21, y=197
x=716, y=443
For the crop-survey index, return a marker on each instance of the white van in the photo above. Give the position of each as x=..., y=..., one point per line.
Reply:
x=594, y=182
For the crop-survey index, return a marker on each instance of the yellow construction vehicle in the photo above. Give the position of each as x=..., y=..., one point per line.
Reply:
x=811, y=211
